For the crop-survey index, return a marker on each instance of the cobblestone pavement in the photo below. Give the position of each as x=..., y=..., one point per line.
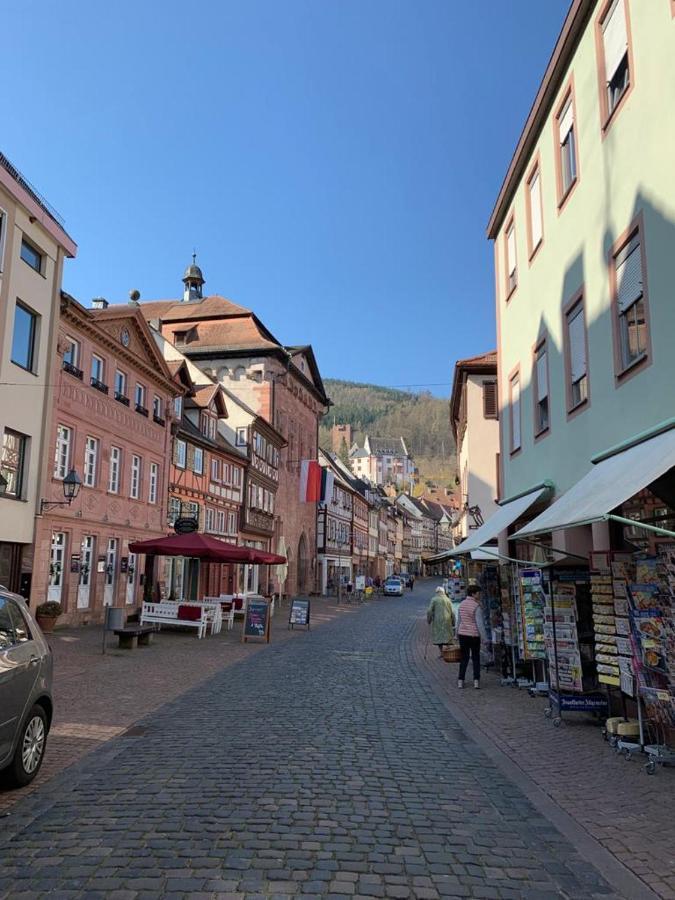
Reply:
x=613, y=799
x=97, y=697
x=326, y=766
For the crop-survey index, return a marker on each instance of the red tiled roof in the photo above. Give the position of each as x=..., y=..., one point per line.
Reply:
x=483, y=359
x=226, y=334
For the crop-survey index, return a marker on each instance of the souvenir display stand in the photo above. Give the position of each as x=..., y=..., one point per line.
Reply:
x=570, y=645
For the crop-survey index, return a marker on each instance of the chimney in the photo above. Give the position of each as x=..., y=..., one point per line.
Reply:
x=99, y=303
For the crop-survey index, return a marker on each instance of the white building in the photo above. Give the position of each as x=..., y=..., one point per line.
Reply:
x=383, y=461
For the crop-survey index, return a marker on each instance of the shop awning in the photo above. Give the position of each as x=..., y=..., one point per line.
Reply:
x=202, y=546
x=506, y=515
x=610, y=483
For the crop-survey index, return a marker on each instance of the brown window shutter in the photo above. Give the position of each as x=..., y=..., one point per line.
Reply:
x=490, y=399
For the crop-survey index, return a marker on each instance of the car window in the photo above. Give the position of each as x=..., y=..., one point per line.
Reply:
x=21, y=627
x=7, y=636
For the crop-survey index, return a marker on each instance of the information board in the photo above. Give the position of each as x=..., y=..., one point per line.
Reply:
x=256, y=621
x=360, y=582
x=300, y=612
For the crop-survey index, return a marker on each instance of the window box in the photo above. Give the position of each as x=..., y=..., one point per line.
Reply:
x=121, y=398
x=142, y=410
x=95, y=383
x=158, y=419
x=72, y=370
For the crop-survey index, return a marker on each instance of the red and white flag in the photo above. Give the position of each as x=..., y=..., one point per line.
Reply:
x=310, y=481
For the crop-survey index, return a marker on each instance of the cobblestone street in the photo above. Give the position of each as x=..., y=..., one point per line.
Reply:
x=329, y=765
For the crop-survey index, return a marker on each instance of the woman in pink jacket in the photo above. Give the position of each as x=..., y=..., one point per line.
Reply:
x=469, y=630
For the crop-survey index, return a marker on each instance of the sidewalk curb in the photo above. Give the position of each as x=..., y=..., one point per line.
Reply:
x=612, y=870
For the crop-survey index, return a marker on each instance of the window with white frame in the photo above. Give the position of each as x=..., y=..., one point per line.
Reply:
x=231, y=523
x=568, y=147
x=178, y=407
x=578, y=363
x=153, y=482
x=199, y=461
x=511, y=258
x=139, y=396
x=120, y=384
x=236, y=473
x=157, y=407
x=71, y=355
x=135, y=482
x=180, y=453
x=114, y=472
x=212, y=428
x=174, y=509
x=241, y=437
x=541, y=389
x=226, y=473
x=97, y=369
x=615, y=53
x=221, y=522
x=90, y=461
x=64, y=438
x=535, y=210
x=209, y=519
x=514, y=409
x=630, y=302
x=215, y=469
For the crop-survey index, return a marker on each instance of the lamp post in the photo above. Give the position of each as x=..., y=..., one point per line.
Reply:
x=71, y=488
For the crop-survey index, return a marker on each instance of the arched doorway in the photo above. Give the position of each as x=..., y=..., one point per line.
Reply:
x=302, y=564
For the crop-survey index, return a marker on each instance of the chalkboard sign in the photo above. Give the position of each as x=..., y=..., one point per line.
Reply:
x=257, y=620
x=299, y=614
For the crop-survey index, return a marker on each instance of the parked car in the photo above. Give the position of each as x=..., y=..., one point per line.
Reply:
x=25, y=692
x=393, y=587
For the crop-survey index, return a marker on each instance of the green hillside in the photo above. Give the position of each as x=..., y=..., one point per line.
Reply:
x=420, y=418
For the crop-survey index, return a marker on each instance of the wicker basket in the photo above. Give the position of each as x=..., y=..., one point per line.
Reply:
x=452, y=654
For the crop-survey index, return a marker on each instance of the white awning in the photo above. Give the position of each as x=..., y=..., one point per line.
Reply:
x=609, y=484
x=505, y=516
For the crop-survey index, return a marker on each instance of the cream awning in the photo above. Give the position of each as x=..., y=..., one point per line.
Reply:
x=609, y=484
x=506, y=515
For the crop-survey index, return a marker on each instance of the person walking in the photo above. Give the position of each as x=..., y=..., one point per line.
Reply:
x=411, y=582
x=469, y=630
x=439, y=616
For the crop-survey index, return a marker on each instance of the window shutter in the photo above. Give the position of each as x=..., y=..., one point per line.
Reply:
x=490, y=399
x=511, y=250
x=542, y=376
x=566, y=121
x=535, y=210
x=577, y=345
x=515, y=414
x=628, y=276
x=615, y=38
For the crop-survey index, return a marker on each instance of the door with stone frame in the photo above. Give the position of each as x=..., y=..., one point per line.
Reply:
x=110, y=572
x=56, y=559
x=86, y=563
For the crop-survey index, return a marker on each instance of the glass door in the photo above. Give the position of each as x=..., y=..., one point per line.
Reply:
x=87, y=558
x=110, y=572
x=131, y=579
x=58, y=550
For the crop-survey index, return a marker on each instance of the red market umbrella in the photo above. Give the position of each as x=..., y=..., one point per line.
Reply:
x=199, y=546
x=268, y=559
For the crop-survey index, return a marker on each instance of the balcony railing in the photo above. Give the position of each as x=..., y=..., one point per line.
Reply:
x=121, y=398
x=99, y=385
x=142, y=410
x=71, y=369
x=158, y=419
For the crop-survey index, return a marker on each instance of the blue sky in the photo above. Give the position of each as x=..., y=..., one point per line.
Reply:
x=334, y=162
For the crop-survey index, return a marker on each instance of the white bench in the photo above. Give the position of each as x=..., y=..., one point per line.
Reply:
x=166, y=613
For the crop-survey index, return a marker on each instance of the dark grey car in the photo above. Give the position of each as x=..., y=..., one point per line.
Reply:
x=25, y=691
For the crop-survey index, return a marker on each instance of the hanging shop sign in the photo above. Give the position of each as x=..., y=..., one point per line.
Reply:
x=185, y=525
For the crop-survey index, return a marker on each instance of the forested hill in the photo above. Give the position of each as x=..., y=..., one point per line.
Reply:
x=421, y=419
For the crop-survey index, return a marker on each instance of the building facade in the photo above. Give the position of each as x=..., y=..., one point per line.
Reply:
x=583, y=231
x=335, y=529
x=384, y=461
x=474, y=418
x=33, y=247
x=281, y=384
x=113, y=401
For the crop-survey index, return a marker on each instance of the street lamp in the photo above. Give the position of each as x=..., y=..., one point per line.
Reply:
x=71, y=488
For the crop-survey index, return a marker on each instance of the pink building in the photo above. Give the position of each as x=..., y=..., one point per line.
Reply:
x=113, y=402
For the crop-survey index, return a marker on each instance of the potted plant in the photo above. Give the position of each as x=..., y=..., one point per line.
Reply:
x=47, y=613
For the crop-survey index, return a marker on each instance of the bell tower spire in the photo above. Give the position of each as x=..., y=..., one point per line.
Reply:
x=193, y=280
